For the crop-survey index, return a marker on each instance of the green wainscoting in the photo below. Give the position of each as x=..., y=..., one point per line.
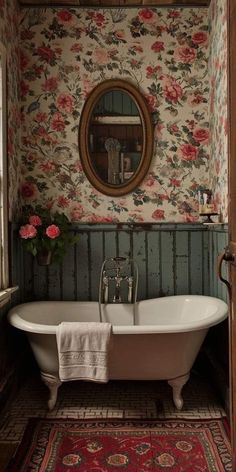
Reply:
x=172, y=259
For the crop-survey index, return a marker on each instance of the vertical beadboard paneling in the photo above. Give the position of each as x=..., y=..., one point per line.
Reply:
x=153, y=264
x=168, y=262
x=54, y=282
x=172, y=259
x=139, y=255
x=125, y=243
x=68, y=279
x=206, y=261
x=96, y=259
x=182, y=263
x=28, y=276
x=82, y=267
x=40, y=283
x=110, y=244
x=195, y=261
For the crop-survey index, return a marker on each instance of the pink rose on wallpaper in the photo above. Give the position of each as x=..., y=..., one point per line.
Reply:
x=65, y=102
x=152, y=102
x=200, y=37
x=163, y=196
x=174, y=14
x=27, y=231
x=185, y=54
x=98, y=18
x=175, y=182
x=158, y=46
x=53, y=231
x=24, y=60
x=174, y=129
x=188, y=152
x=63, y=202
x=48, y=167
x=195, y=99
x=150, y=181
x=57, y=122
x=201, y=135
x=76, y=47
x=101, y=55
x=158, y=131
x=100, y=219
x=24, y=88
x=29, y=190
x=35, y=220
x=50, y=85
x=158, y=215
x=45, y=53
x=64, y=16
x=41, y=117
x=153, y=72
x=146, y=15
x=171, y=89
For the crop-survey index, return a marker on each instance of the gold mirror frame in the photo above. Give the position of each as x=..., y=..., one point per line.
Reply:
x=147, y=129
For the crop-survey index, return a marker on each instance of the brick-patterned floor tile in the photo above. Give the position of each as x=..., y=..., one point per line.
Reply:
x=117, y=399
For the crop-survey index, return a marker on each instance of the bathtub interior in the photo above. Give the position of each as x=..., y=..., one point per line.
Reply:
x=169, y=314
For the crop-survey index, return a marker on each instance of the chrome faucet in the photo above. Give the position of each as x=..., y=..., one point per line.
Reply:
x=119, y=279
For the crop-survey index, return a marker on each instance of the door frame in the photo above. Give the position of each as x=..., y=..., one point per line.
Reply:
x=231, y=67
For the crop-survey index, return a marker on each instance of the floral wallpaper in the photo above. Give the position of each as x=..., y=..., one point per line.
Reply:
x=9, y=36
x=218, y=106
x=64, y=54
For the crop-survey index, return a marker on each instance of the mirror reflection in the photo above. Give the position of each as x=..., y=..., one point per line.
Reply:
x=115, y=137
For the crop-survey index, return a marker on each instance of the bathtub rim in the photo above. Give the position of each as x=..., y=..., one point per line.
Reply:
x=220, y=315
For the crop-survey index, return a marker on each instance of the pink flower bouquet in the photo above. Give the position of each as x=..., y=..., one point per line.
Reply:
x=45, y=233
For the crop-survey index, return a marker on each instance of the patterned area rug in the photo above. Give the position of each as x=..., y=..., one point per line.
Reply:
x=58, y=445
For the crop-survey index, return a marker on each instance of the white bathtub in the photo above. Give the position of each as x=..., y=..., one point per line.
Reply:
x=161, y=343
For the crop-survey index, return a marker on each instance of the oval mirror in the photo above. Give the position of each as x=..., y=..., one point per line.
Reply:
x=115, y=137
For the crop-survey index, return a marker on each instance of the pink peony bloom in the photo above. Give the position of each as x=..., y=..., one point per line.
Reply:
x=50, y=85
x=171, y=89
x=53, y=231
x=201, y=135
x=200, y=37
x=158, y=215
x=188, y=152
x=57, y=122
x=64, y=16
x=147, y=15
x=158, y=46
x=65, y=102
x=27, y=231
x=35, y=220
x=185, y=54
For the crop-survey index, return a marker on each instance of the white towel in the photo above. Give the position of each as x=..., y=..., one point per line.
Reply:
x=83, y=350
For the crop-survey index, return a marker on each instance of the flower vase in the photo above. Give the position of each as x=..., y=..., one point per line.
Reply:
x=44, y=257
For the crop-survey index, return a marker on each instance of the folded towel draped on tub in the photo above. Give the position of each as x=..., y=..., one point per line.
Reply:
x=83, y=350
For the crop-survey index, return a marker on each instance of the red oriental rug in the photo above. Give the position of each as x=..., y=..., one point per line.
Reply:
x=58, y=445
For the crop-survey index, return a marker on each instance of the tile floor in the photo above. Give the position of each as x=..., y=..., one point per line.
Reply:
x=119, y=399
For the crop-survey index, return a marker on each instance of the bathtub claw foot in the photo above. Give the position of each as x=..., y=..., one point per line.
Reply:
x=53, y=383
x=177, y=385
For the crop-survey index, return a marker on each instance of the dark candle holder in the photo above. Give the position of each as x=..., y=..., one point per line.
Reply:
x=208, y=216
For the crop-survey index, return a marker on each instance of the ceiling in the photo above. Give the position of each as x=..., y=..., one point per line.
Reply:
x=115, y=3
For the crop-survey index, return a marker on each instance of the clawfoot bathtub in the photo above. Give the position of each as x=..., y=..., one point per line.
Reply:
x=160, y=342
